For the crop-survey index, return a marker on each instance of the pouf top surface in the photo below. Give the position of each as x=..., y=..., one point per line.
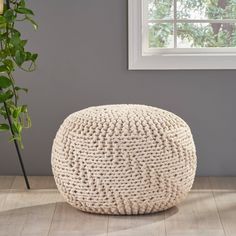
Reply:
x=125, y=119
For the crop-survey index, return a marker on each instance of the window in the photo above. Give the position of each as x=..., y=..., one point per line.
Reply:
x=182, y=34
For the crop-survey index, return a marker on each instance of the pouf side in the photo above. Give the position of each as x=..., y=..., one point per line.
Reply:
x=123, y=159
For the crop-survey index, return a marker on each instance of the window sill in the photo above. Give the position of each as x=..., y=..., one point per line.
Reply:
x=182, y=62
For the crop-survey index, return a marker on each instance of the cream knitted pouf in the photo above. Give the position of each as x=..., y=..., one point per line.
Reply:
x=123, y=159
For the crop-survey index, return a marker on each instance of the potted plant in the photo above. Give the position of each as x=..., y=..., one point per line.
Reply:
x=13, y=55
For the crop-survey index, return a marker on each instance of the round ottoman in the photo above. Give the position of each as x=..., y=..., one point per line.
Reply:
x=123, y=159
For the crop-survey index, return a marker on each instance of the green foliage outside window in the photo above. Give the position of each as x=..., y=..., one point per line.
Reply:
x=193, y=35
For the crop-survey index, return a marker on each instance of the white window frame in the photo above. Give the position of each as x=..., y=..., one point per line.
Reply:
x=143, y=58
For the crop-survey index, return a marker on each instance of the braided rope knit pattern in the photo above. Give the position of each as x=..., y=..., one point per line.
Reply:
x=123, y=159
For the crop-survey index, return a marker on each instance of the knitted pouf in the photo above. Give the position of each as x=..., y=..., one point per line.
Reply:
x=123, y=159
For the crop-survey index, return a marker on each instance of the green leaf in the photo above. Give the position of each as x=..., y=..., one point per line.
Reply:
x=3, y=54
x=5, y=96
x=24, y=10
x=15, y=31
x=3, y=26
x=9, y=15
x=14, y=127
x=5, y=82
x=3, y=112
x=10, y=103
x=23, y=42
x=35, y=25
x=28, y=56
x=15, y=40
x=24, y=109
x=2, y=20
x=4, y=127
x=23, y=89
x=9, y=64
x=16, y=112
x=17, y=127
x=34, y=57
x=20, y=57
x=3, y=36
x=3, y=68
x=22, y=3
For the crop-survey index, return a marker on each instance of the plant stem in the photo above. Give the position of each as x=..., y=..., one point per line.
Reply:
x=12, y=132
x=17, y=147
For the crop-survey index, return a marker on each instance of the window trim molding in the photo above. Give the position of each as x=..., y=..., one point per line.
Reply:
x=156, y=59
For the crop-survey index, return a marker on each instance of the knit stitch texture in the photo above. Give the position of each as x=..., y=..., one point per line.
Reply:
x=123, y=159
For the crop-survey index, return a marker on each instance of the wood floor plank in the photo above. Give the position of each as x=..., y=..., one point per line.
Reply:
x=36, y=182
x=226, y=204
x=6, y=182
x=223, y=183
x=209, y=209
x=5, y=185
x=28, y=212
x=68, y=221
x=151, y=225
x=224, y=190
x=201, y=183
x=197, y=215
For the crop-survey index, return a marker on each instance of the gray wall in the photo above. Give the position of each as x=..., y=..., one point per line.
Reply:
x=83, y=62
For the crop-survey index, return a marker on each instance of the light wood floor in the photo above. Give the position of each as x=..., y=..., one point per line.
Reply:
x=209, y=210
